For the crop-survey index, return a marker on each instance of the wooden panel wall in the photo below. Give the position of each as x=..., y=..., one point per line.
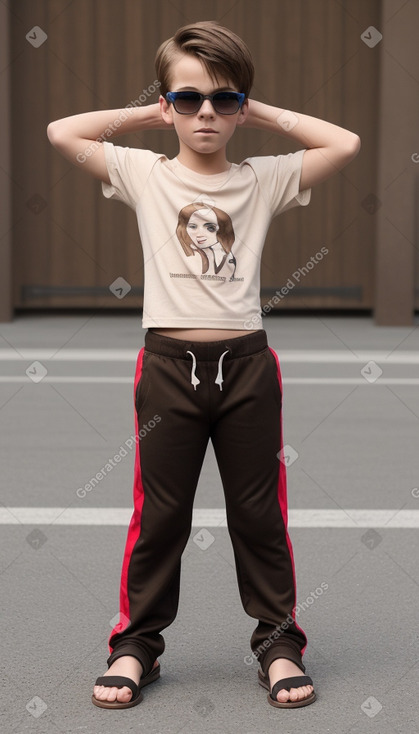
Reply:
x=396, y=256
x=6, y=311
x=70, y=243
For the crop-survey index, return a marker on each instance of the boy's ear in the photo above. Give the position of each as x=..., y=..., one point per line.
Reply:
x=166, y=110
x=244, y=111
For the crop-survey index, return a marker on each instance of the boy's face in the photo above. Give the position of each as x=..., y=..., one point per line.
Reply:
x=189, y=74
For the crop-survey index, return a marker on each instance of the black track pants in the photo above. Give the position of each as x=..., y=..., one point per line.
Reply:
x=186, y=393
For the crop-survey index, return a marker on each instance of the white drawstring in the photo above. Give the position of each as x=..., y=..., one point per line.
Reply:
x=218, y=380
x=194, y=379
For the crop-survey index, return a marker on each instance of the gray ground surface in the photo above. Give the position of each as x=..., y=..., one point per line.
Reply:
x=358, y=448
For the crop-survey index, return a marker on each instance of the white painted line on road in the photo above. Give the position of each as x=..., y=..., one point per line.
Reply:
x=346, y=357
x=70, y=379
x=309, y=518
x=84, y=379
x=350, y=381
x=309, y=356
x=70, y=355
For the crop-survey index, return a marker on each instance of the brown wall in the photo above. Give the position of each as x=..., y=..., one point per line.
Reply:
x=6, y=311
x=397, y=262
x=69, y=243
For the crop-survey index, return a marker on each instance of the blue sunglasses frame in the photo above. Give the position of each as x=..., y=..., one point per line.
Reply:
x=173, y=96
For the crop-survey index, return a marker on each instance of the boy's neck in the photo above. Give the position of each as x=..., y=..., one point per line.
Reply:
x=204, y=163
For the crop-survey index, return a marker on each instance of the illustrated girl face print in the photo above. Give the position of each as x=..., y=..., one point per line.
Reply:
x=206, y=232
x=203, y=227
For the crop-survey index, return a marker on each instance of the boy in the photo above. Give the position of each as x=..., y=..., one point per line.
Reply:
x=203, y=373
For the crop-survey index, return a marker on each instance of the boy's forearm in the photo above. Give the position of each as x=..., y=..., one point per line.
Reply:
x=106, y=124
x=309, y=132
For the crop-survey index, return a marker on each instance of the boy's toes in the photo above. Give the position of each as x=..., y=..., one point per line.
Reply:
x=103, y=693
x=283, y=696
x=98, y=691
x=123, y=694
x=295, y=694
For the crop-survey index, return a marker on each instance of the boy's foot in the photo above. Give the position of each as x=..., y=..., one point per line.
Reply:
x=283, y=668
x=127, y=666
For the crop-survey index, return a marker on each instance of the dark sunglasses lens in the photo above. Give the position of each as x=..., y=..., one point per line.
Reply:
x=187, y=103
x=226, y=103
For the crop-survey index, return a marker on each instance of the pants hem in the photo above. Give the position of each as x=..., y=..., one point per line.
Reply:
x=135, y=652
x=280, y=651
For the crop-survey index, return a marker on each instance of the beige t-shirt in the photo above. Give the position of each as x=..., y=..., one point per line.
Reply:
x=202, y=236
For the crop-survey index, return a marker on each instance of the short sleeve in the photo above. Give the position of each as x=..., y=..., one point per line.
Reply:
x=279, y=180
x=129, y=169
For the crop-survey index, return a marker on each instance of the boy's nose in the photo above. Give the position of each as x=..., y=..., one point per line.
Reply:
x=206, y=108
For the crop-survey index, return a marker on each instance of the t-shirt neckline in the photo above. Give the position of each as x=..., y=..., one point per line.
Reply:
x=209, y=178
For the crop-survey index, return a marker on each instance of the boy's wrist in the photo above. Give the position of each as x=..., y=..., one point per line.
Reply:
x=261, y=116
x=108, y=124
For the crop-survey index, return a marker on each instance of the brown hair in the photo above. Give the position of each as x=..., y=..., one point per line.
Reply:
x=221, y=51
x=225, y=232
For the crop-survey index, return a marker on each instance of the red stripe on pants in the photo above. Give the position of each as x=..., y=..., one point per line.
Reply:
x=282, y=499
x=134, y=528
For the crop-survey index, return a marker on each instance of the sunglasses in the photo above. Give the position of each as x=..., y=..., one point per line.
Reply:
x=188, y=103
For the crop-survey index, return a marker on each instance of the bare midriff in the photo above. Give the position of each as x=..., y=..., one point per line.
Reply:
x=203, y=335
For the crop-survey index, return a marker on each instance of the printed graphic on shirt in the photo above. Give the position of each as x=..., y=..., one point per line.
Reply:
x=206, y=233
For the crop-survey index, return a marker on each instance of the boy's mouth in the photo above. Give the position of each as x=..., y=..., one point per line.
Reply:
x=206, y=130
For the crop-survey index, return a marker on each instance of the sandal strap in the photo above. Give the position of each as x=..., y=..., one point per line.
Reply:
x=118, y=681
x=294, y=682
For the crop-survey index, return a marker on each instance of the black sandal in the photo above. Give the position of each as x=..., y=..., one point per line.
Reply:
x=119, y=681
x=287, y=683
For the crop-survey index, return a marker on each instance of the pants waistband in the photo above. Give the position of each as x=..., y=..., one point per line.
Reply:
x=240, y=346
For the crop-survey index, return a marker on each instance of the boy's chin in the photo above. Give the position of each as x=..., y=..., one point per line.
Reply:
x=207, y=148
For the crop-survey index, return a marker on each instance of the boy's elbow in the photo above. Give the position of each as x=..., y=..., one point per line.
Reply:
x=53, y=133
x=347, y=150
x=353, y=145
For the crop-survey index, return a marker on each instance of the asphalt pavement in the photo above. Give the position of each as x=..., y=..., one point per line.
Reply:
x=351, y=425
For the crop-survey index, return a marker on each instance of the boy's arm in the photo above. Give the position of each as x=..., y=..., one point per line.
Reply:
x=329, y=147
x=76, y=137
